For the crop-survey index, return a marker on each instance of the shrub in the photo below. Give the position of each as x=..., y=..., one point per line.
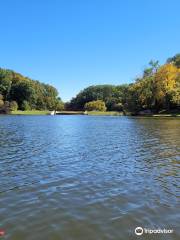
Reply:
x=117, y=107
x=13, y=106
x=4, y=107
x=25, y=106
x=6, y=104
x=95, y=106
x=1, y=103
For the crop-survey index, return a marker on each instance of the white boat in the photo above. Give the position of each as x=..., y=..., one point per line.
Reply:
x=53, y=113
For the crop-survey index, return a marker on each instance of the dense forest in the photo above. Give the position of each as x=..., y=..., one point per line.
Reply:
x=156, y=90
x=19, y=92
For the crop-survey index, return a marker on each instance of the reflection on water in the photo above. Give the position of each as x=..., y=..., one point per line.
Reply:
x=85, y=177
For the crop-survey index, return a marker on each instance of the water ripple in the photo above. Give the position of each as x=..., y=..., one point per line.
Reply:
x=83, y=177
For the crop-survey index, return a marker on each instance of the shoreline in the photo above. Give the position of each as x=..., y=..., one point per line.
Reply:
x=92, y=113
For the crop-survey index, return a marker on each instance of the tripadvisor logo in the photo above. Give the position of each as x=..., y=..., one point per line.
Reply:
x=139, y=231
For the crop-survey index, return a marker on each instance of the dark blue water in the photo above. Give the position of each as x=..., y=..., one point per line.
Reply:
x=88, y=177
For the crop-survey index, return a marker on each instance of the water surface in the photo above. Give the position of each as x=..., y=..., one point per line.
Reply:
x=88, y=177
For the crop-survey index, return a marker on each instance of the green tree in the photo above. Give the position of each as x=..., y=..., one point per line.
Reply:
x=59, y=106
x=175, y=60
x=23, y=91
x=25, y=106
x=110, y=94
x=5, y=82
x=132, y=103
x=16, y=87
x=152, y=69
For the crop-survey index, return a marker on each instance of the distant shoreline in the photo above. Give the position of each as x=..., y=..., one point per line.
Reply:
x=93, y=113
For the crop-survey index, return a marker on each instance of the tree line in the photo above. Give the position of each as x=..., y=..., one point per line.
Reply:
x=19, y=92
x=157, y=89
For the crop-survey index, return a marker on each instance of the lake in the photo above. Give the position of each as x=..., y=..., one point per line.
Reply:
x=88, y=177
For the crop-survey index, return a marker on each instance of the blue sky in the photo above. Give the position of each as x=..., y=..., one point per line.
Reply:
x=76, y=43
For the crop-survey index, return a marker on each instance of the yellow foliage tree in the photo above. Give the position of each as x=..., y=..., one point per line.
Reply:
x=176, y=92
x=95, y=106
x=166, y=83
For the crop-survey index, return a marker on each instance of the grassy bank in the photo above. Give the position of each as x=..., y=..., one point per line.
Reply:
x=70, y=113
x=45, y=112
x=165, y=115
x=97, y=113
x=30, y=112
x=90, y=113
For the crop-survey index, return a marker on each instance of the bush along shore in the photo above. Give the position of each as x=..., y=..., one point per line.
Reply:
x=155, y=92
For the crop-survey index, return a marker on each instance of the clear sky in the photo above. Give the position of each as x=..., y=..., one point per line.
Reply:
x=76, y=43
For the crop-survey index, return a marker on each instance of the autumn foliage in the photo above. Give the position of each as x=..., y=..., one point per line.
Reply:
x=156, y=90
x=95, y=106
